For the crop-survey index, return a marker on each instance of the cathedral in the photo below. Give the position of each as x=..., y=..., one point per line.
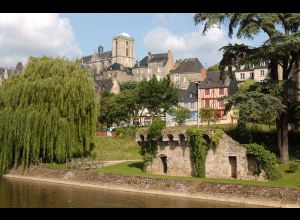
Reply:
x=123, y=53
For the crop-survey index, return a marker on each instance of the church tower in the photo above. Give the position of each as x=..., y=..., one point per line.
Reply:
x=123, y=50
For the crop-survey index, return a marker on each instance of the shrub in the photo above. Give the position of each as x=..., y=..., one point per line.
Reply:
x=266, y=160
x=126, y=131
x=292, y=168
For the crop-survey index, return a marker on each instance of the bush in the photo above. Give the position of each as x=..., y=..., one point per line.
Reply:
x=266, y=160
x=126, y=131
x=292, y=168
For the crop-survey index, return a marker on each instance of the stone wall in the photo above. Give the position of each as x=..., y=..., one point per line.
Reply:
x=228, y=160
x=246, y=194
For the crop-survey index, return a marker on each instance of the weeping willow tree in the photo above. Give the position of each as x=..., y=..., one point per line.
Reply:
x=48, y=112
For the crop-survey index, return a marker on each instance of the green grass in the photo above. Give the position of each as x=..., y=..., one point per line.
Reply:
x=289, y=180
x=115, y=148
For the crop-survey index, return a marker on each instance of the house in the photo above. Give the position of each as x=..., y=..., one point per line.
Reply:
x=158, y=65
x=118, y=72
x=257, y=71
x=213, y=88
x=186, y=98
x=187, y=71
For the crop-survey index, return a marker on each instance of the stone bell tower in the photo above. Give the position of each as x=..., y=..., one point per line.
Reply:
x=123, y=50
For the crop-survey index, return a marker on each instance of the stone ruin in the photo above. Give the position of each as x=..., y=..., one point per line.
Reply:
x=228, y=160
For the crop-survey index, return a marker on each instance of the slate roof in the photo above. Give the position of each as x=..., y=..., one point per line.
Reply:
x=184, y=94
x=213, y=80
x=100, y=56
x=189, y=65
x=118, y=66
x=160, y=57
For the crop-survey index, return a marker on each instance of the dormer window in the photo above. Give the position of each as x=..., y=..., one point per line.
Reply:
x=262, y=63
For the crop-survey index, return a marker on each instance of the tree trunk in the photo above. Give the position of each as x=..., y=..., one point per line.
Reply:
x=284, y=154
x=278, y=128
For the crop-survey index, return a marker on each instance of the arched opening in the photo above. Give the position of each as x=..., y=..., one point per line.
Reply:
x=170, y=136
x=164, y=163
x=142, y=137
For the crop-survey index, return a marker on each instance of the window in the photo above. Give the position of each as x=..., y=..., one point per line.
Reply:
x=185, y=79
x=262, y=73
x=206, y=91
x=242, y=76
x=109, y=75
x=158, y=77
x=221, y=91
x=262, y=63
x=127, y=53
x=192, y=104
x=191, y=95
x=206, y=103
x=251, y=75
x=177, y=79
x=221, y=102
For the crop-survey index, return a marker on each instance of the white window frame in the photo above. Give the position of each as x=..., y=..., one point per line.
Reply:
x=177, y=79
x=262, y=73
x=242, y=76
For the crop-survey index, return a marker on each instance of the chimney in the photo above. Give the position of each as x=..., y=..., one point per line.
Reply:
x=149, y=56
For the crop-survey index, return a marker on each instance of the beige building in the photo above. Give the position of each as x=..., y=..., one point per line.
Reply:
x=119, y=72
x=258, y=72
x=122, y=53
x=187, y=71
x=158, y=65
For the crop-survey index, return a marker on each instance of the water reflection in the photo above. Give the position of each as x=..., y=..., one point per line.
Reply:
x=24, y=193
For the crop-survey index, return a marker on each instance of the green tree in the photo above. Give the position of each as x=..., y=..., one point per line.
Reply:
x=47, y=112
x=130, y=85
x=118, y=108
x=157, y=96
x=244, y=86
x=213, y=68
x=209, y=115
x=181, y=114
x=282, y=49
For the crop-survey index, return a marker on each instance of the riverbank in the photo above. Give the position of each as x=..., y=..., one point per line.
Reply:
x=243, y=194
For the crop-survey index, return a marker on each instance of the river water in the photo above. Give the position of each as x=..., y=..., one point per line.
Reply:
x=26, y=193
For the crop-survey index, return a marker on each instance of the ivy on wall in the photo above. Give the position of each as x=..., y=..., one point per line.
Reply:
x=266, y=160
x=149, y=146
x=199, y=147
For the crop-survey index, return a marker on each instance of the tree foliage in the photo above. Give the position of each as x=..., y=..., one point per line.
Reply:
x=181, y=114
x=118, y=108
x=209, y=115
x=213, y=68
x=47, y=112
x=130, y=85
x=157, y=96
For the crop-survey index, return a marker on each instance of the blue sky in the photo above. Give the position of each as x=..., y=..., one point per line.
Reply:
x=76, y=34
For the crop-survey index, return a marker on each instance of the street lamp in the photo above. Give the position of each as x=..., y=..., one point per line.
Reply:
x=197, y=83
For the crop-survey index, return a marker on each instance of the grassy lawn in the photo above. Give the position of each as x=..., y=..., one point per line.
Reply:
x=115, y=148
x=290, y=180
x=55, y=166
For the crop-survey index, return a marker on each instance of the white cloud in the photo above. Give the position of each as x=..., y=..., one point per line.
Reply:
x=24, y=35
x=187, y=45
